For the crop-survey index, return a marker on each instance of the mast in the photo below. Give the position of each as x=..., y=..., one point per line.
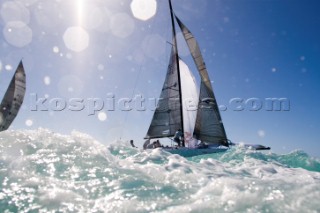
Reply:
x=178, y=67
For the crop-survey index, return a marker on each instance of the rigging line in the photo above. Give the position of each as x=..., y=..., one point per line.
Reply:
x=135, y=85
x=133, y=91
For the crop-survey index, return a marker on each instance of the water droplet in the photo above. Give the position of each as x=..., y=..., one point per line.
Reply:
x=102, y=116
x=29, y=122
x=143, y=9
x=76, y=39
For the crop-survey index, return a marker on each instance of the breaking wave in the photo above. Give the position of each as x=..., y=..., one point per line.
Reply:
x=43, y=171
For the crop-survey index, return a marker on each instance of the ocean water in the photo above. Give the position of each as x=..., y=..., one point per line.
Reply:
x=43, y=171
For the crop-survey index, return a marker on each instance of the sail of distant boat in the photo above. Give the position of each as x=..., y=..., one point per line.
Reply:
x=13, y=98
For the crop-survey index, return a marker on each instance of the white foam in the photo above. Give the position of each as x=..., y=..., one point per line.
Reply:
x=48, y=171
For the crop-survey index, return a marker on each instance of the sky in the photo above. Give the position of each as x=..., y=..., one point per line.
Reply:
x=108, y=52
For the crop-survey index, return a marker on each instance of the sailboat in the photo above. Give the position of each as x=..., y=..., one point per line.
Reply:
x=203, y=124
x=13, y=98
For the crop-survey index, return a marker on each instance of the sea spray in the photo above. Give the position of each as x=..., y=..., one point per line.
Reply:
x=44, y=171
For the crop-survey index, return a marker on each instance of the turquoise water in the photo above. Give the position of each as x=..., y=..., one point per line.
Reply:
x=42, y=171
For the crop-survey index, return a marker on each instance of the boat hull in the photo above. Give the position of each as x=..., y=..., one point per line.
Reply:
x=186, y=152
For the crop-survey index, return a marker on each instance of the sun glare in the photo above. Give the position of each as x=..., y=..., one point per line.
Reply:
x=80, y=6
x=143, y=9
x=76, y=38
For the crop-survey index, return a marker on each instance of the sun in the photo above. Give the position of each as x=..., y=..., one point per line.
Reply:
x=80, y=7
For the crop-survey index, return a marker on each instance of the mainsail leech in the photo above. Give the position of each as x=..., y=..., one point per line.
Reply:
x=13, y=98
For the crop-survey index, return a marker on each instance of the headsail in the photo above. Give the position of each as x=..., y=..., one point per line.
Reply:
x=190, y=101
x=13, y=98
x=209, y=127
x=167, y=116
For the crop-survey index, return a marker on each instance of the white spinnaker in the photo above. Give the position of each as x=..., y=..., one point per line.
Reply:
x=190, y=100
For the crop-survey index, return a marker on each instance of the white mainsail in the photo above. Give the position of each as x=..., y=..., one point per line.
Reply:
x=13, y=98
